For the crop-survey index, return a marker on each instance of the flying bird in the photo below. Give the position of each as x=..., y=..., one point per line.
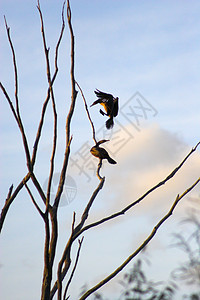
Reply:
x=101, y=153
x=110, y=105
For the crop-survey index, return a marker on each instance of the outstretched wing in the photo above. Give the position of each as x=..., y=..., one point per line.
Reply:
x=103, y=96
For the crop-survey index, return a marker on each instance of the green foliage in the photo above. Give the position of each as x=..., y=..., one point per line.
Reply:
x=189, y=243
x=137, y=286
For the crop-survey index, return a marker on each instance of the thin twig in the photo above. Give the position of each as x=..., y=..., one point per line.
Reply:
x=59, y=40
x=39, y=131
x=142, y=246
x=65, y=259
x=63, y=174
x=73, y=81
x=88, y=114
x=9, y=101
x=9, y=200
x=44, y=38
x=98, y=169
x=70, y=113
x=19, y=121
x=89, y=205
x=15, y=67
x=34, y=202
x=46, y=51
x=74, y=269
x=38, y=135
x=93, y=130
x=9, y=192
x=38, y=187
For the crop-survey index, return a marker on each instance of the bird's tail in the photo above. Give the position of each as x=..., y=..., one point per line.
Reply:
x=109, y=123
x=111, y=161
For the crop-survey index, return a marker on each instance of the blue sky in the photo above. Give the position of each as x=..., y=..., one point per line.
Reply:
x=146, y=49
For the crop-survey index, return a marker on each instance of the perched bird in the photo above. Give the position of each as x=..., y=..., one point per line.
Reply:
x=110, y=105
x=101, y=153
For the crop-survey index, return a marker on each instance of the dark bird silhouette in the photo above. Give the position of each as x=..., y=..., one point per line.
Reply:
x=101, y=153
x=110, y=105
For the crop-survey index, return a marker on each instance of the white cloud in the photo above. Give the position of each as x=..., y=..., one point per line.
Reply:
x=147, y=160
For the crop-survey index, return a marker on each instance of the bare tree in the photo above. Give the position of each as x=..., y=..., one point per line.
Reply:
x=49, y=214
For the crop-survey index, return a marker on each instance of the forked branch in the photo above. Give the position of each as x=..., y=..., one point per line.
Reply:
x=65, y=261
x=74, y=269
x=128, y=207
x=70, y=113
x=38, y=135
x=16, y=112
x=144, y=244
x=46, y=51
x=10, y=198
x=34, y=202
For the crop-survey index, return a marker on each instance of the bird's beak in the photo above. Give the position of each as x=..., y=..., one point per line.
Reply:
x=95, y=102
x=102, y=141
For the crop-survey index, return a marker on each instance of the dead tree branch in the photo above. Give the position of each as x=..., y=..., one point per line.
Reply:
x=33, y=200
x=38, y=135
x=88, y=114
x=98, y=170
x=87, y=209
x=9, y=192
x=17, y=117
x=50, y=241
x=70, y=114
x=46, y=51
x=17, y=111
x=74, y=269
x=93, y=130
x=145, y=243
x=66, y=260
x=15, y=68
x=124, y=210
x=53, y=212
x=10, y=198
x=9, y=102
